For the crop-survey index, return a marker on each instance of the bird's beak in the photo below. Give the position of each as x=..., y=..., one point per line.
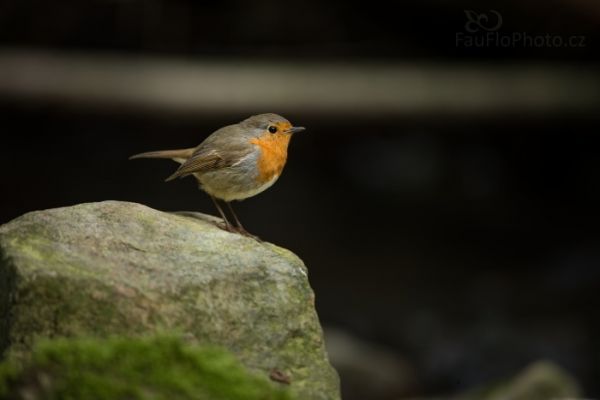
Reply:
x=296, y=129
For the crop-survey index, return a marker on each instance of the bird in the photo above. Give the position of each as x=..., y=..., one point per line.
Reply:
x=235, y=162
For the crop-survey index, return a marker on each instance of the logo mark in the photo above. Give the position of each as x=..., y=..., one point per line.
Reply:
x=476, y=22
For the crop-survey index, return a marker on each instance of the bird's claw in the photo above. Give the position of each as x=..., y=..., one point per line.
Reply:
x=236, y=229
x=244, y=232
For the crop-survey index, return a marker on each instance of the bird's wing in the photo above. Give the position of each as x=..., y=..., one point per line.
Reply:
x=199, y=163
x=208, y=158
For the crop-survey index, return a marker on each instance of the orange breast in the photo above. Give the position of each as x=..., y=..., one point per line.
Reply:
x=273, y=155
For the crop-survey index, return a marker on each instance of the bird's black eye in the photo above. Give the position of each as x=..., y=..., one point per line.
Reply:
x=272, y=129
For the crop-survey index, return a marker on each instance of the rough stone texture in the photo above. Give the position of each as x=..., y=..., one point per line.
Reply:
x=126, y=269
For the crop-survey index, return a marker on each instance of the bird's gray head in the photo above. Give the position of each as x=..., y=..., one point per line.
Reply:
x=270, y=123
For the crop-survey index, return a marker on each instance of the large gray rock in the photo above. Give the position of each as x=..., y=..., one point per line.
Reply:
x=126, y=269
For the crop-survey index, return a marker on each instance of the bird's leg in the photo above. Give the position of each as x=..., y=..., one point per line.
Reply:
x=228, y=226
x=240, y=227
x=237, y=221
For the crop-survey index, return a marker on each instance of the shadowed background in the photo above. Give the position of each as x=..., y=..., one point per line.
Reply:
x=444, y=197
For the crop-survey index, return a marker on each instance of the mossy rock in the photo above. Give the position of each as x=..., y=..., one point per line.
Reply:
x=117, y=268
x=158, y=368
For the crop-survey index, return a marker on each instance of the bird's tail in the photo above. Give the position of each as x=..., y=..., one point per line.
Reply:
x=179, y=155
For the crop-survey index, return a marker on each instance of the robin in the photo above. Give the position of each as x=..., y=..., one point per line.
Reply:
x=235, y=162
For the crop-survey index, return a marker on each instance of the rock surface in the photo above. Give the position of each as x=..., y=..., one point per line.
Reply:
x=116, y=268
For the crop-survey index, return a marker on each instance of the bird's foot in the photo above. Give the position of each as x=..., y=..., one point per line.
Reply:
x=242, y=231
x=226, y=226
x=236, y=229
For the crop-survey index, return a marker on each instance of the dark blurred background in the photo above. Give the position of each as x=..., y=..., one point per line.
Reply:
x=444, y=196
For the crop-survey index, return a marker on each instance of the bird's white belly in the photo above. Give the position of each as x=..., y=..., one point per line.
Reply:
x=253, y=192
x=234, y=192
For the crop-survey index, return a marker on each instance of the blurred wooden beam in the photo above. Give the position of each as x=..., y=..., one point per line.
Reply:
x=351, y=89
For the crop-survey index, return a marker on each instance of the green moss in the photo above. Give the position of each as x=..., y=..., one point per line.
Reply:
x=121, y=368
x=7, y=279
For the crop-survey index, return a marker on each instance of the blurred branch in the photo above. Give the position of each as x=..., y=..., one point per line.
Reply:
x=357, y=89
